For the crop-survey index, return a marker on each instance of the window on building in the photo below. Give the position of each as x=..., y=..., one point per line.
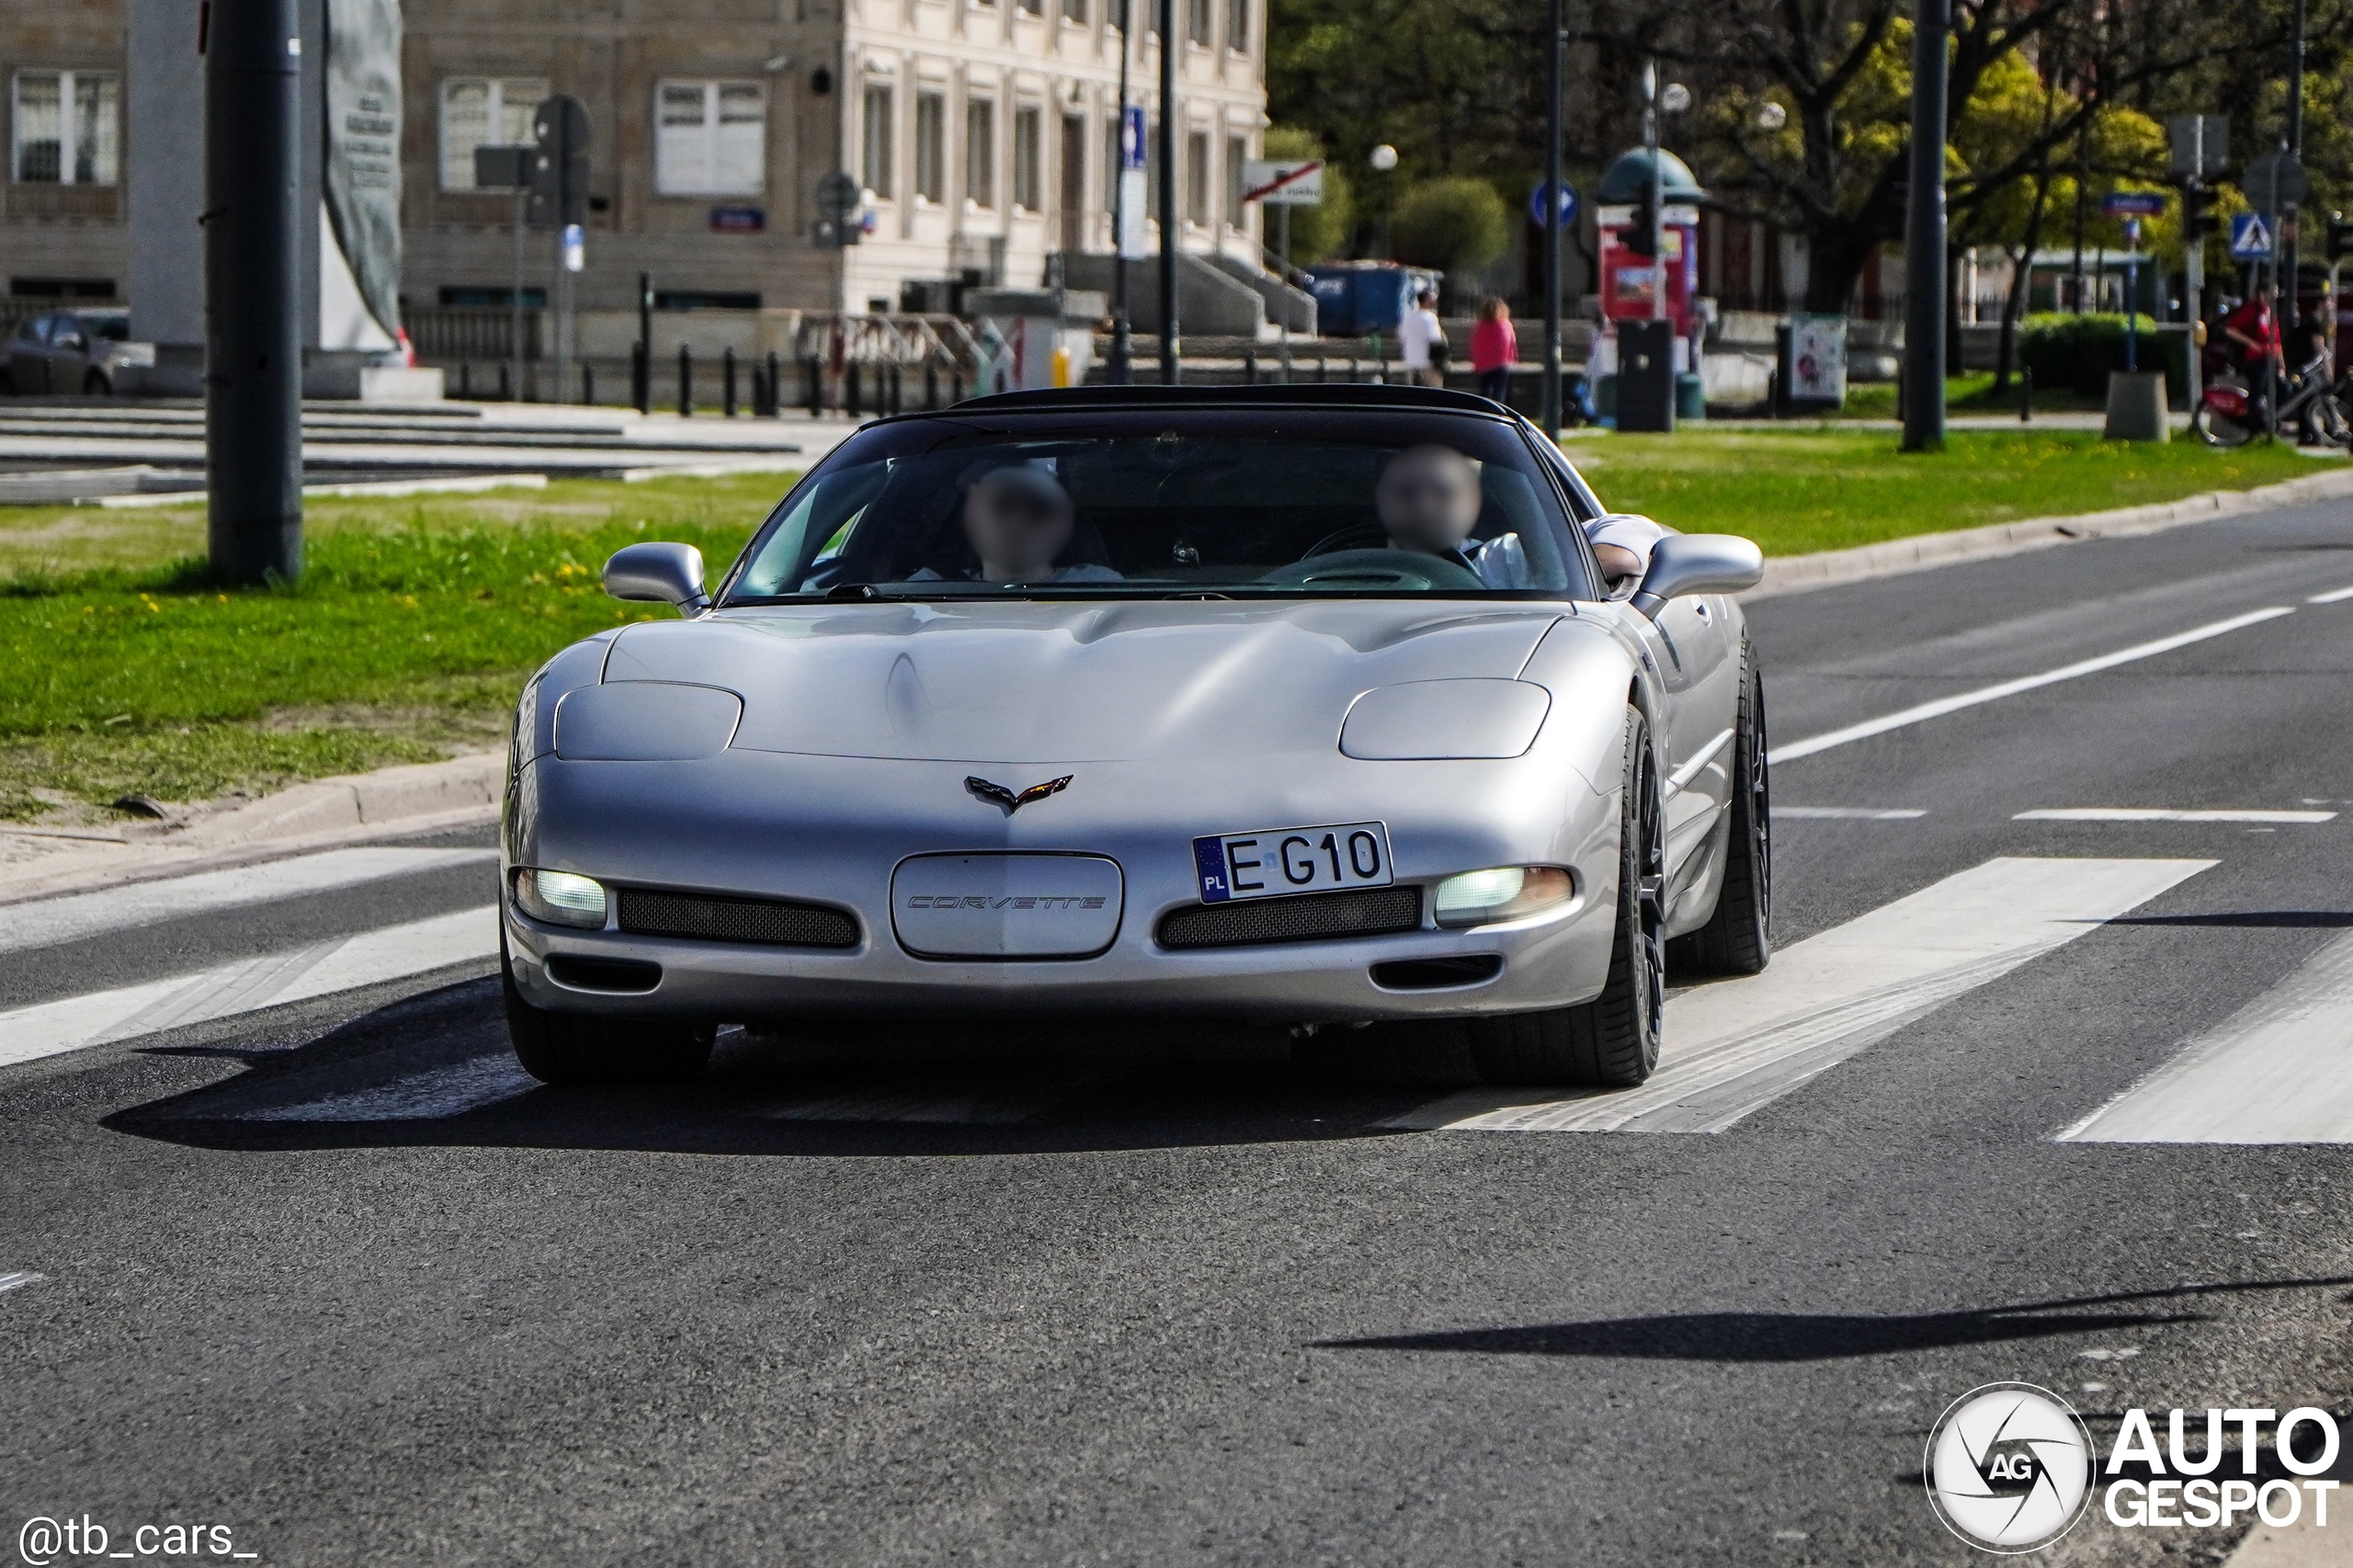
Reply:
x=875, y=167
x=1237, y=153
x=1074, y=10
x=1237, y=25
x=1034, y=8
x=1197, y=14
x=931, y=147
x=483, y=111
x=980, y=150
x=67, y=127
x=1028, y=130
x=1196, y=177
x=710, y=139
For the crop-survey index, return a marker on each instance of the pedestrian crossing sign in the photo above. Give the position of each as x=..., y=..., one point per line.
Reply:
x=2250, y=237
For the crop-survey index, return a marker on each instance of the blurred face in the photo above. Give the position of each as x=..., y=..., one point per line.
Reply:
x=1428, y=499
x=1018, y=520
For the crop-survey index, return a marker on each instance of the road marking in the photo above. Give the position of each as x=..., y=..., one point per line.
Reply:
x=2135, y=813
x=322, y=968
x=1959, y=701
x=1735, y=1047
x=47, y=922
x=2271, y=1072
x=2335, y=596
x=21, y=1277
x=425, y=1097
x=1850, y=813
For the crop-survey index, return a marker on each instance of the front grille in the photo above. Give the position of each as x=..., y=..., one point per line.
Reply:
x=1308, y=918
x=710, y=919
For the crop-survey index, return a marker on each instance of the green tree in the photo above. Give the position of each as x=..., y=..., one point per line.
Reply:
x=1454, y=223
x=1321, y=230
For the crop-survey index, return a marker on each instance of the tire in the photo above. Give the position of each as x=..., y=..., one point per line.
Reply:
x=574, y=1050
x=1738, y=939
x=1611, y=1042
x=96, y=384
x=2218, y=429
x=2328, y=421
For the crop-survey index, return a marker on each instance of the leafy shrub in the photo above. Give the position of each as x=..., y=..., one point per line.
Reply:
x=1455, y=224
x=2078, y=353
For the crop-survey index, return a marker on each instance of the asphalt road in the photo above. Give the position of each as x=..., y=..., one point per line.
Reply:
x=327, y=1275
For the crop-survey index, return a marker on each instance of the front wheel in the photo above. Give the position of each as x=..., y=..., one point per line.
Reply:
x=2218, y=429
x=1611, y=1042
x=573, y=1049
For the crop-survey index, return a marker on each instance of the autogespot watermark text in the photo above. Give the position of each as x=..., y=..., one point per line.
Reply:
x=2178, y=1495
x=41, y=1540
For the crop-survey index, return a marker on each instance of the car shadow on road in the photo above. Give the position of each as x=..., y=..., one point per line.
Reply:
x=434, y=1070
x=1817, y=1336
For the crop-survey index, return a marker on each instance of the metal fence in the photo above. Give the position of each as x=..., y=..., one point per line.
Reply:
x=459, y=333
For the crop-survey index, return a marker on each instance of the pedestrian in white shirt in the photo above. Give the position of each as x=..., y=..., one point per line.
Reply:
x=1420, y=338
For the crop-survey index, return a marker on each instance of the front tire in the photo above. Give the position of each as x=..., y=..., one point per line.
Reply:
x=1611, y=1042
x=1737, y=939
x=2218, y=429
x=576, y=1050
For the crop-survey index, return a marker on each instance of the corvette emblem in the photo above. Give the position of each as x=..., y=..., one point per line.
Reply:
x=998, y=794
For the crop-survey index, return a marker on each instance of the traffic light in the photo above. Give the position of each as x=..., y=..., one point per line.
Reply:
x=2340, y=235
x=1636, y=236
x=2198, y=214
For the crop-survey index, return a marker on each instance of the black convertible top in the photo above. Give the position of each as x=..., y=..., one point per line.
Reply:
x=1296, y=394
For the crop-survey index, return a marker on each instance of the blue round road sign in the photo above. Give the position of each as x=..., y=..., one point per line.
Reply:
x=1565, y=203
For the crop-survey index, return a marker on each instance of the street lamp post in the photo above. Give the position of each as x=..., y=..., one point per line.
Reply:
x=1120, y=371
x=1171, y=368
x=1658, y=192
x=1553, y=90
x=1924, y=235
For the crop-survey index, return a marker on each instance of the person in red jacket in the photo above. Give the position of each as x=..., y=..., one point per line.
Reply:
x=1494, y=349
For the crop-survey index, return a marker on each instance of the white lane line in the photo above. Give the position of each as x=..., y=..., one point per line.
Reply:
x=1959, y=701
x=1734, y=1048
x=1850, y=813
x=2275, y=1071
x=2335, y=595
x=319, y=970
x=2136, y=814
x=425, y=1097
x=46, y=922
x=22, y=1277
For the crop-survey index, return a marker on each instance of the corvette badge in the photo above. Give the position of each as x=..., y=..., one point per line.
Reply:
x=998, y=794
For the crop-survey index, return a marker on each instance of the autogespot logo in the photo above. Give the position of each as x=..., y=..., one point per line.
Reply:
x=2010, y=1467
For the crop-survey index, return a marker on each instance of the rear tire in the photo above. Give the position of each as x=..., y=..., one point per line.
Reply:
x=1738, y=939
x=96, y=384
x=1611, y=1042
x=573, y=1050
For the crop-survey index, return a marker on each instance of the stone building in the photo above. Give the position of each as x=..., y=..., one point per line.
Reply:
x=984, y=131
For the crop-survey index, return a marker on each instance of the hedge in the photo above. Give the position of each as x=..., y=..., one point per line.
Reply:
x=2077, y=352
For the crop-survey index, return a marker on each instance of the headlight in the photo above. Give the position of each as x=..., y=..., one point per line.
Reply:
x=560, y=898
x=1507, y=893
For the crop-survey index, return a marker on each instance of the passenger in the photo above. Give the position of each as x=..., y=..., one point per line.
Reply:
x=1018, y=520
x=1622, y=543
x=1429, y=500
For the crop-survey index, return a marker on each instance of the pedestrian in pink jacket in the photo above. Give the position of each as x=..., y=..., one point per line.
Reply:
x=1494, y=349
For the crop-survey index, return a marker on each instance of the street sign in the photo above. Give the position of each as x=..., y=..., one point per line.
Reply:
x=2201, y=145
x=838, y=195
x=1561, y=210
x=502, y=168
x=2133, y=203
x=575, y=247
x=2250, y=237
x=559, y=165
x=1131, y=138
x=2275, y=180
x=1299, y=182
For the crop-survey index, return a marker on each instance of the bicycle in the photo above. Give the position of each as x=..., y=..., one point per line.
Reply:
x=2230, y=416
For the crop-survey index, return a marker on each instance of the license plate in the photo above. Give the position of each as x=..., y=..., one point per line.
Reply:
x=1270, y=861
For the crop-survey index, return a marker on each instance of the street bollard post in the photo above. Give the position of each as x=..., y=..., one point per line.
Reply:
x=640, y=378
x=505, y=387
x=930, y=387
x=816, y=387
x=686, y=382
x=727, y=379
x=2026, y=396
x=853, y=391
x=776, y=386
x=587, y=384
x=1249, y=367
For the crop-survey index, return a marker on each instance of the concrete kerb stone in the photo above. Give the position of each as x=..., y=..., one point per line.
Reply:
x=1800, y=574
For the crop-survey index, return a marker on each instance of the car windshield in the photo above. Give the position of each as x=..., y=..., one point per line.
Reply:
x=1276, y=502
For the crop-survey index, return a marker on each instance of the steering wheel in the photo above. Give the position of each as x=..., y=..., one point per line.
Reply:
x=1356, y=536
x=1376, y=569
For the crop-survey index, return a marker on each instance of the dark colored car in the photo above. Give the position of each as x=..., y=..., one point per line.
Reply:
x=67, y=352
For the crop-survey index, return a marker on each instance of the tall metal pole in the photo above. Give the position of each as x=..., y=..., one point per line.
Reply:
x=1924, y=235
x=1171, y=370
x=514, y=300
x=1554, y=89
x=1658, y=192
x=1121, y=371
x=2287, y=237
x=253, y=362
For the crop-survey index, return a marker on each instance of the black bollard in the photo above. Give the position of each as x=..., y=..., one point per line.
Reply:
x=816, y=383
x=640, y=378
x=727, y=379
x=587, y=384
x=853, y=394
x=686, y=382
x=898, y=388
x=465, y=380
x=505, y=388
x=956, y=387
x=1323, y=369
x=930, y=387
x=775, y=385
x=2026, y=397
x=1249, y=367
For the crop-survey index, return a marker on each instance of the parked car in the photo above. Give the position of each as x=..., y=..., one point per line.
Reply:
x=70, y=352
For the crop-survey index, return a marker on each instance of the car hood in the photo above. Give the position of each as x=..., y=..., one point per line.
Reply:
x=1060, y=682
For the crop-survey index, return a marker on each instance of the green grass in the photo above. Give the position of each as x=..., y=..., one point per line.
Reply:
x=1798, y=491
x=1971, y=393
x=121, y=669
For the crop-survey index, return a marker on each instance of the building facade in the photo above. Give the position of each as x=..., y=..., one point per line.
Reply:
x=984, y=133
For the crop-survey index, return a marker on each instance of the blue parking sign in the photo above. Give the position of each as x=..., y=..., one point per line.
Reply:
x=1561, y=209
x=2250, y=237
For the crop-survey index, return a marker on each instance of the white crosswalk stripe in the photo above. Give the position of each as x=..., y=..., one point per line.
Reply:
x=319, y=969
x=1735, y=1047
x=2275, y=1071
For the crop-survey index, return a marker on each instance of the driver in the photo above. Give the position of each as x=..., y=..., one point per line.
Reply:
x=1018, y=519
x=1429, y=500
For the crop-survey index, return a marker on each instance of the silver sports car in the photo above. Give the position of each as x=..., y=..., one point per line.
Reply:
x=1296, y=704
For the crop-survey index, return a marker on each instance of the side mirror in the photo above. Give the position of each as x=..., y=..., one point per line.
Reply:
x=1682, y=564
x=662, y=574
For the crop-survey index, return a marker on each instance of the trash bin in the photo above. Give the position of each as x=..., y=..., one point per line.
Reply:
x=1690, y=397
x=1646, y=391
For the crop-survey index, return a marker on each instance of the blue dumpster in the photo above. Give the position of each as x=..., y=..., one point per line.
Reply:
x=1355, y=298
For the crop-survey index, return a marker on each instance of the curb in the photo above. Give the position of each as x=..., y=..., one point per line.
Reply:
x=1802, y=573
x=462, y=791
